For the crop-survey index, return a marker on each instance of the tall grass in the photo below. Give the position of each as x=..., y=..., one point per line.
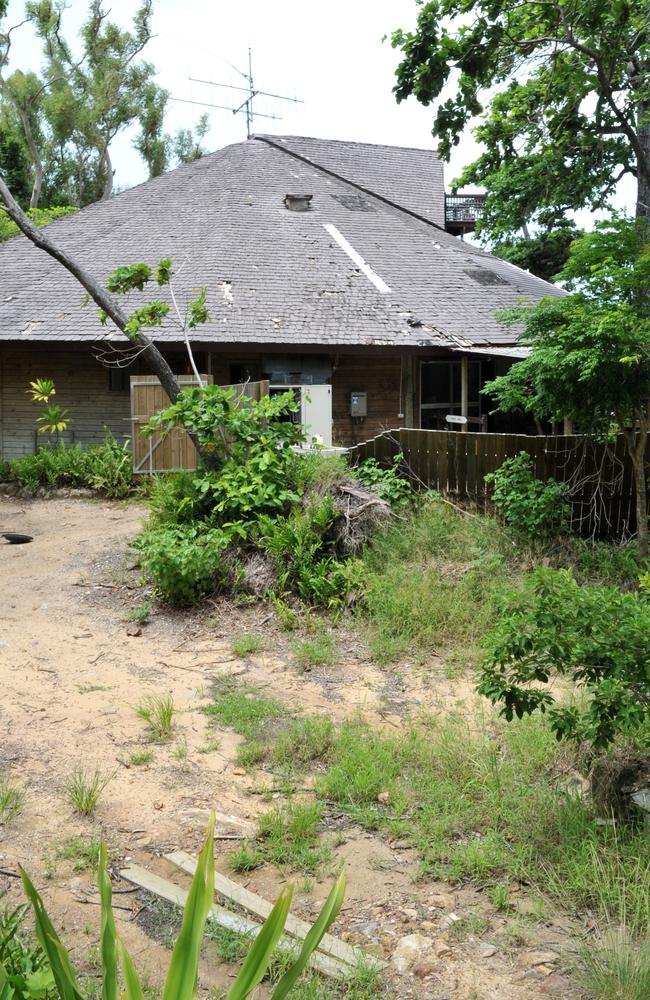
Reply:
x=488, y=805
x=433, y=585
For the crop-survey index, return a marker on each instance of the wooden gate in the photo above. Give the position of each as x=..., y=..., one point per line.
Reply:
x=171, y=450
x=164, y=451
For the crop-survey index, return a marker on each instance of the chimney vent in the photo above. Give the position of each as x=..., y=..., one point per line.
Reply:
x=298, y=202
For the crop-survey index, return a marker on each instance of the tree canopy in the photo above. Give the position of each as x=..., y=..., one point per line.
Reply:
x=57, y=127
x=562, y=92
x=589, y=358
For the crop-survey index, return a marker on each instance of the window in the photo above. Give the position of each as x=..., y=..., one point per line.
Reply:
x=440, y=392
x=118, y=380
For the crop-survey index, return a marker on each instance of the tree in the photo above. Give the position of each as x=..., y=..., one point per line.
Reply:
x=571, y=113
x=71, y=115
x=590, y=354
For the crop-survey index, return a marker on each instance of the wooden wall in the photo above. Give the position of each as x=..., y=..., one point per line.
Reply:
x=81, y=386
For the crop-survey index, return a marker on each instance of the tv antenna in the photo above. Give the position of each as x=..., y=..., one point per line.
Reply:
x=247, y=104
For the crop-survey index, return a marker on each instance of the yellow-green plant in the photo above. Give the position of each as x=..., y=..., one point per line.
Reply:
x=182, y=974
x=54, y=418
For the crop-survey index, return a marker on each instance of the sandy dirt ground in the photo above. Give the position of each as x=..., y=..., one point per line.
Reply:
x=70, y=676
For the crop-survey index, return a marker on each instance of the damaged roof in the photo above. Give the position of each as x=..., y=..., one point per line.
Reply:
x=369, y=263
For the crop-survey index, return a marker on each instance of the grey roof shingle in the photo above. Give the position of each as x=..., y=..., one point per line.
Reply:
x=274, y=276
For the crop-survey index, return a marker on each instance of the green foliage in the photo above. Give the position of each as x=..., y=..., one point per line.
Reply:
x=618, y=969
x=141, y=613
x=12, y=798
x=287, y=837
x=434, y=582
x=105, y=467
x=84, y=789
x=385, y=481
x=532, y=507
x=249, y=444
x=315, y=652
x=89, y=92
x=39, y=216
x=158, y=712
x=23, y=961
x=597, y=636
x=186, y=561
x=543, y=254
x=303, y=742
x=490, y=805
x=83, y=852
x=247, y=644
x=560, y=92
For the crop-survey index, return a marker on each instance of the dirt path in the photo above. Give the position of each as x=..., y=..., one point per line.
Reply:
x=70, y=676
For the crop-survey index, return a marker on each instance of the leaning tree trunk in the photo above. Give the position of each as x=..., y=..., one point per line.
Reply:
x=150, y=352
x=107, y=166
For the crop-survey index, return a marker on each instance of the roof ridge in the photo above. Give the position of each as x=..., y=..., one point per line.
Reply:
x=270, y=141
x=347, y=142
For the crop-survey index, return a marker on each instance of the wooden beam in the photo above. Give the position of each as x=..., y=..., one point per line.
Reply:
x=464, y=390
x=262, y=907
x=408, y=389
x=325, y=964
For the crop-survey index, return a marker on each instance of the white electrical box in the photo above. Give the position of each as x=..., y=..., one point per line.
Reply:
x=315, y=413
x=358, y=404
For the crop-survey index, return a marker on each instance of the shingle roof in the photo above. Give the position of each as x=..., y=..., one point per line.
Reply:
x=275, y=276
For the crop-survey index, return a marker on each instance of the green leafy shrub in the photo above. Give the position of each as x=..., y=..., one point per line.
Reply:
x=598, y=636
x=536, y=509
x=24, y=962
x=174, y=498
x=385, y=481
x=185, y=562
x=105, y=467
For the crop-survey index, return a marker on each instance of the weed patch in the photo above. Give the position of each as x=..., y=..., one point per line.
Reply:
x=490, y=806
x=83, y=852
x=84, y=789
x=12, y=799
x=620, y=971
x=287, y=837
x=433, y=585
x=140, y=758
x=317, y=652
x=158, y=712
x=247, y=644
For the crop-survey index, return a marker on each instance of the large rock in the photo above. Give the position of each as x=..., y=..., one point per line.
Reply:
x=414, y=949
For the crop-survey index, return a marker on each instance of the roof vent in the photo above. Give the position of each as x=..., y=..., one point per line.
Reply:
x=298, y=202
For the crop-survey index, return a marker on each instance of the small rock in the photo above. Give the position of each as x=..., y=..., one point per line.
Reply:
x=158, y=805
x=369, y=929
x=411, y=950
x=383, y=798
x=447, y=921
x=487, y=950
x=409, y=912
x=555, y=985
x=134, y=630
x=239, y=770
x=442, y=949
x=425, y=967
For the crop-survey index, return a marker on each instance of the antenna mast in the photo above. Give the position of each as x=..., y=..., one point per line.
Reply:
x=247, y=104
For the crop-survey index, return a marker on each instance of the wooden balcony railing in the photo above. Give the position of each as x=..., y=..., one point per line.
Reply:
x=462, y=212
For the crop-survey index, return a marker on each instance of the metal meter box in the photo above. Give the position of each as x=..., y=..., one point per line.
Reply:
x=358, y=404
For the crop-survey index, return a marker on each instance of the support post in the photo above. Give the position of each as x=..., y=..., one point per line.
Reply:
x=464, y=390
x=408, y=389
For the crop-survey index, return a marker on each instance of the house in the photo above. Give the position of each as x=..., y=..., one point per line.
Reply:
x=327, y=264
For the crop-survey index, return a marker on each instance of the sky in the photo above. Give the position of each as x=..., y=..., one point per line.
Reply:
x=329, y=55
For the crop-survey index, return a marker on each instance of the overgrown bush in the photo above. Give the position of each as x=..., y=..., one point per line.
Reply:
x=105, y=467
x=186, y=562
x=386, y=482
x=534, y=508
x=598, y=636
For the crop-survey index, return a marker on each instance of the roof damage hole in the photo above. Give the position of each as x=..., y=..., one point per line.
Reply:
x=485, y=277
x=354, y=202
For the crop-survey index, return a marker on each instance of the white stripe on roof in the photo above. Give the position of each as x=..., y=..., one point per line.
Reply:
x=357, y=259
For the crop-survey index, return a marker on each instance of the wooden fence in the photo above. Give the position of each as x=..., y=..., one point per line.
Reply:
x=171, y=450
x=599, y=479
